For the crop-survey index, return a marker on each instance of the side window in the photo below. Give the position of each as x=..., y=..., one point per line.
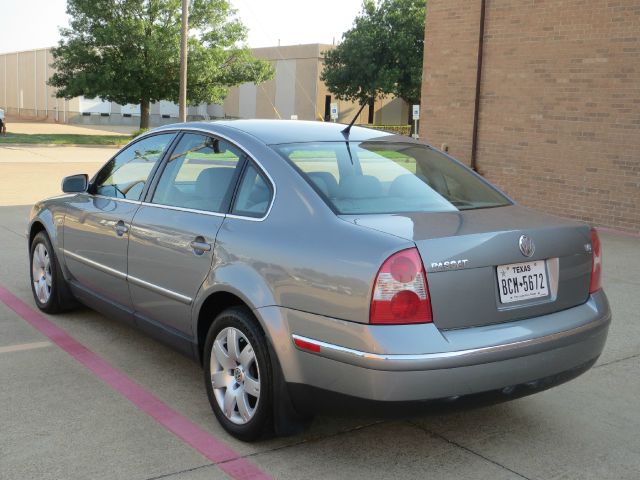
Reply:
x=254, y=194
x=126, y=174
x=199, y=174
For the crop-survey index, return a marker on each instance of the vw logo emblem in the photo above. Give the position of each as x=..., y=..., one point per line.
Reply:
x=527, y=247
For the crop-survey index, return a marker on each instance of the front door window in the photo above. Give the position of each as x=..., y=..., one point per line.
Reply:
x=126, y=174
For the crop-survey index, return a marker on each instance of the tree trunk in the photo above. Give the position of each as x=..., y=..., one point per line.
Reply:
x=144, y=114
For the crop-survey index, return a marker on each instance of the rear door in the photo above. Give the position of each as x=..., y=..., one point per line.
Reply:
x=97, y=224
x=173, y=233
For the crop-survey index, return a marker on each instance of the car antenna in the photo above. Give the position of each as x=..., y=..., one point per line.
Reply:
x=346, y=131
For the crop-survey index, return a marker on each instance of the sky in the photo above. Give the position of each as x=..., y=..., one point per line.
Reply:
x=31, y=24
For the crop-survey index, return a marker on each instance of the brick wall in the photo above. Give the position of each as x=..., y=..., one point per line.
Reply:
x=559, y=126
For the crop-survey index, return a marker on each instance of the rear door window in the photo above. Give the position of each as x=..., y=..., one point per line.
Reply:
x=254, y=194
x=199, y=175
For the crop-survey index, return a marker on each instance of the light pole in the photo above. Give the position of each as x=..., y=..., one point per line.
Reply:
x=184, y=36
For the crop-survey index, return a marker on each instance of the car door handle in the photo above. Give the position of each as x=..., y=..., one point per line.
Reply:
x=199, y=246
x=121, y=228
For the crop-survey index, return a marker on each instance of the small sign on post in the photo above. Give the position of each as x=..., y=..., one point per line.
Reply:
x=334, y=112
x=416, y=117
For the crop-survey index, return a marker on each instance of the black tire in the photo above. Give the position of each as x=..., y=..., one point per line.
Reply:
x=60, y=297
x=261, y=423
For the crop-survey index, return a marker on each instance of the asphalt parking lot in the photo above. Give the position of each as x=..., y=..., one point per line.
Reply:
x=86, y=397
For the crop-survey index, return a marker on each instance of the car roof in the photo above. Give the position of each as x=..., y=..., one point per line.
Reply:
x=273, y=132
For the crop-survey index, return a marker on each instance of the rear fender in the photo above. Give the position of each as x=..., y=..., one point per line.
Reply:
x=238, y=279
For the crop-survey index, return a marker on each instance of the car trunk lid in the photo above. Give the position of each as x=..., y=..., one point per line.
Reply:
x=467, y=254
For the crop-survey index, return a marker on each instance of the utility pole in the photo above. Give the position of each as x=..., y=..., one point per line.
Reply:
x=184, y=36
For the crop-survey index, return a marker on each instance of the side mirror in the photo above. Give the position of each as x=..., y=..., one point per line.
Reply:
x=75, y=183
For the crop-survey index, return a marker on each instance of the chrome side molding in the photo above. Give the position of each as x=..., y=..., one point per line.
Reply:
x=134, y=280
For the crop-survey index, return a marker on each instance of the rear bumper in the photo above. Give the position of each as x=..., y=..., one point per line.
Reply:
x=311, y=400
x=419, y=362
x=457, y=358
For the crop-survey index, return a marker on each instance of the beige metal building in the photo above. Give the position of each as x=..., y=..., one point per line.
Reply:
x=296, y=90
x=25, y=95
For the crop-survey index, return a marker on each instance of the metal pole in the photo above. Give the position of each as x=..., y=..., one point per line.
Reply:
x=183, y=60
x=476, y=111
x=18, y=82
x=5, y=83
x=35, y=81
x=46, y=86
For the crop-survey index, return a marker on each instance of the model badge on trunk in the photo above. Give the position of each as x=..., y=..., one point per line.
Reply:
x=527, y=247
x=449, y=265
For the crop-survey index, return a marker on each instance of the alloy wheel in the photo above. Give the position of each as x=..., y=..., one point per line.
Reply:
x=41, y=271
x=235, y=375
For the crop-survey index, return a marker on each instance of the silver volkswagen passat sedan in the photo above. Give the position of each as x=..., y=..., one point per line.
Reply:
x=306, y=265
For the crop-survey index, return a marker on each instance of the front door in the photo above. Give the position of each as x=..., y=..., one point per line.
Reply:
x=97, y=224
x=171, y=247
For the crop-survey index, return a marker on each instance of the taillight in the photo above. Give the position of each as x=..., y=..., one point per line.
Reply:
x=401, y=293
x=596, y=262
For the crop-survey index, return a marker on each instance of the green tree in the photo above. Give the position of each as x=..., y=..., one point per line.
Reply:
x=380, y=55
x=128, y=51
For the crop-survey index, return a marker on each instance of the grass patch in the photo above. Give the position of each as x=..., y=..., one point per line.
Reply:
x=64, y=139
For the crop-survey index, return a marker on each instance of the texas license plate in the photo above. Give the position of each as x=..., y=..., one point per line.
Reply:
x=522, y=281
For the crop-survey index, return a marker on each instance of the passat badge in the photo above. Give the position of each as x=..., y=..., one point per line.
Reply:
x=527, y=247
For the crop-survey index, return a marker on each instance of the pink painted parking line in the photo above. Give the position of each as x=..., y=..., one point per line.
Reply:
x=209, y=446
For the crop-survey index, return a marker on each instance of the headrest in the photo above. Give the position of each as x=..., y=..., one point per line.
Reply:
x=214, y=182
x=325, y=182
x=360, y=186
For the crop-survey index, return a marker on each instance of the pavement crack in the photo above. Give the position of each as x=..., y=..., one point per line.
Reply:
x=169, y=475
x=12, y=231
x=617, y=360
x=308, y=440
x=275, y=449
x=466, y=449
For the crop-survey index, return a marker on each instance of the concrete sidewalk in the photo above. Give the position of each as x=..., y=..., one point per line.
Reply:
x=31, y=173
x=61, y=128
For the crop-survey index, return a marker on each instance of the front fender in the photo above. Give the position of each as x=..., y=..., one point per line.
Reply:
x=49, y=215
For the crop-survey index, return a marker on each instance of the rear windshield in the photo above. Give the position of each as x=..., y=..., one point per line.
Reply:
x=381, y=177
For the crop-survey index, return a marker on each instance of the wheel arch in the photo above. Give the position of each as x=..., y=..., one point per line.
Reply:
x=211, y=306
x=42, y=218
x=36, y=227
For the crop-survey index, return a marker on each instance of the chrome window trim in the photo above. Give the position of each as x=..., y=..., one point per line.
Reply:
x=179, y=130
x=129, y=278
x=252, y=157
x=183, y=209
x=441, y=360
x=125, y=200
